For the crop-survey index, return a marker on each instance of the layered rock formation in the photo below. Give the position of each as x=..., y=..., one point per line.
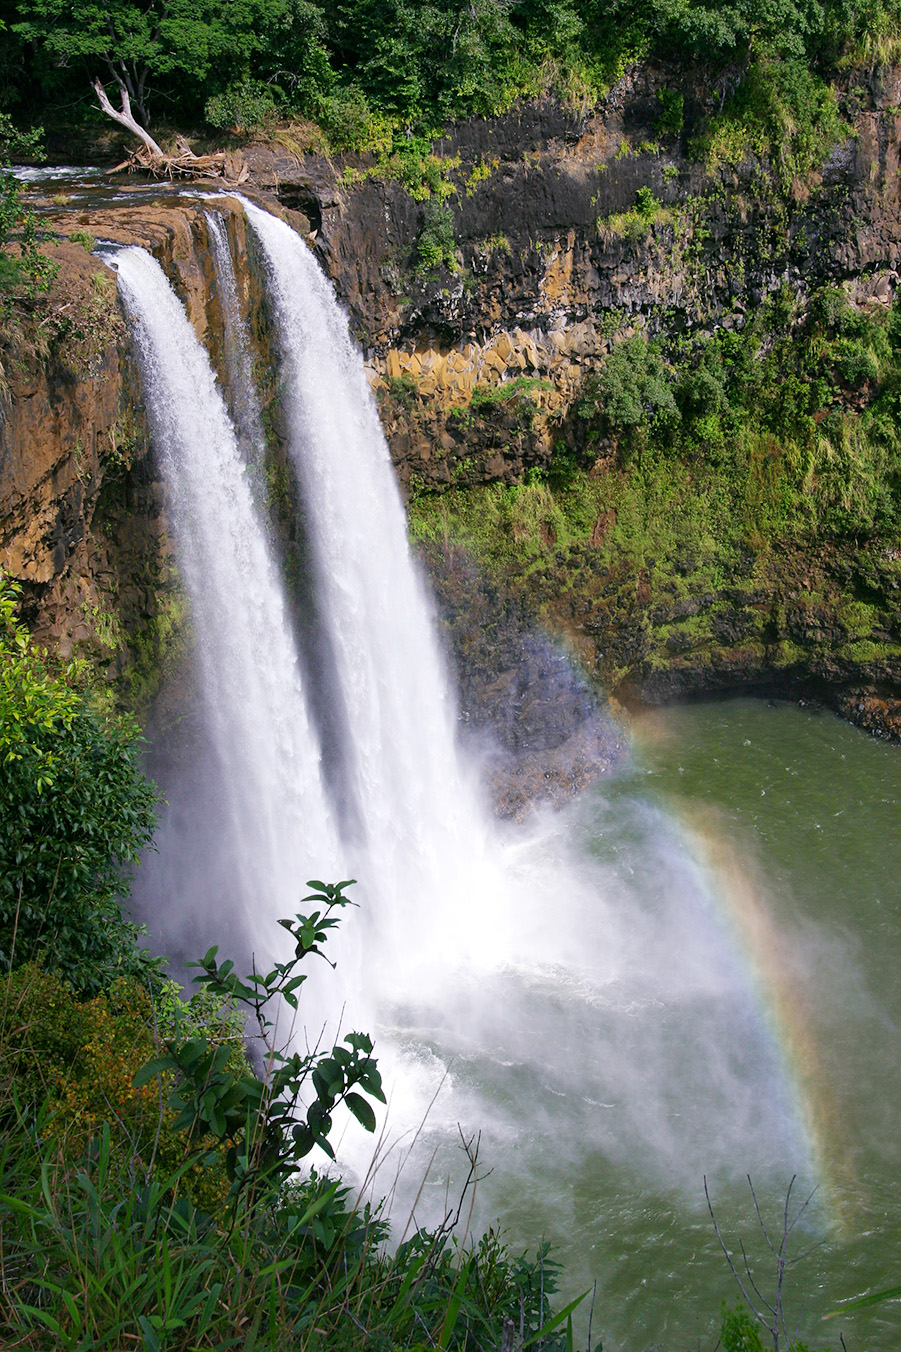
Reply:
x=82, y=513
x=552, y=261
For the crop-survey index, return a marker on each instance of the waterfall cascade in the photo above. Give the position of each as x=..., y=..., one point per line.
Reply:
x=560, y=991
x=240, y=392
x=253, y=696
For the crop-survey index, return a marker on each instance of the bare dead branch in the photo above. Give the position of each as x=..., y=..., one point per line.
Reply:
x=760, y=1296
x=726, y=1253
x=760, y=1219
x=124, y=116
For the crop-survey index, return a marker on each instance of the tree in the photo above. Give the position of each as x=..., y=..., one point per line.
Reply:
x=728, y=30
x=22, y=266
x=143, y=45
x=76, y=811
x=133, y=42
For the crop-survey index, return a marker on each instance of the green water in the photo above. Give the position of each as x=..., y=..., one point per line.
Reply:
x=795, y=819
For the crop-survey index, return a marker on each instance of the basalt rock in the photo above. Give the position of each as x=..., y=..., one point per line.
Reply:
x=477, y=361
x=83, y=526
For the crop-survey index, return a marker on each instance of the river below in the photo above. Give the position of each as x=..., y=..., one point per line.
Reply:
x=747, y=1024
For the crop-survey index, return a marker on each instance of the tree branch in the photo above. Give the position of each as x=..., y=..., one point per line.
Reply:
x=125, y=117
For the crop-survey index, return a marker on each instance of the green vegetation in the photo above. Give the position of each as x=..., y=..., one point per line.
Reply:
x=366, y=72
x=24, y=271
x=785, y=427
x=699, y=480
x=796, y=411
x=76, y=812
x=513, y=392
x=149, y=1188
x=436, y=246
x=638, y=222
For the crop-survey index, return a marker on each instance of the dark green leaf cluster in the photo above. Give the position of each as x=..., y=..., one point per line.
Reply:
x=76, y=812
x=741, y=1332
x=415, y=62
x=436, y=246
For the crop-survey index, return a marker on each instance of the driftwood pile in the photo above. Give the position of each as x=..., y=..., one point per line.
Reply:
x=228, y=165
x=151, y=158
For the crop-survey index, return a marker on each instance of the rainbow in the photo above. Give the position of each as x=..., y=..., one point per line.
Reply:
x=740, y=896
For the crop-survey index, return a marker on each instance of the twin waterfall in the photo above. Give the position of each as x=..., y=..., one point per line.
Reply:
x=566, y=987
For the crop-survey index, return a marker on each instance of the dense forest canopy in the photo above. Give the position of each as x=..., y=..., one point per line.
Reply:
x=229, y=62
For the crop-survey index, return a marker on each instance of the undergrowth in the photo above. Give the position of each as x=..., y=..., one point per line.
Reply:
x=697, y=480
x=150, y=1197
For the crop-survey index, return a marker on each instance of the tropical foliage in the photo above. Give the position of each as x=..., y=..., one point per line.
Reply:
x=76, y=812
x=353, y=62
x=24, y=271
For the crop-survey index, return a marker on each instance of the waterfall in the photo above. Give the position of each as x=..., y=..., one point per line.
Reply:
x=570, y=982
x=422, y=869
x=277, y=823
x=608, y=984
x=240, y=390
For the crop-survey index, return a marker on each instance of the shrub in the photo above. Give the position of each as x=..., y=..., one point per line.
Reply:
x=671, y=114
x=24, y=270
x=76, y=810
x=631, y=393
x=350, y=123
x=436, y=246
x=242, y=108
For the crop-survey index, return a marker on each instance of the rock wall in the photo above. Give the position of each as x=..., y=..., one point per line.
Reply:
x=551, y=261
x=480, y=308
x=478, y=363
x=83, y=525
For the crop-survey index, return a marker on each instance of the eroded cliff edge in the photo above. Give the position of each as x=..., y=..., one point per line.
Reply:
x=484, y=302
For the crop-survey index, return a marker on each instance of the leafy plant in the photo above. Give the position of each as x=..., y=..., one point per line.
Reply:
x=632, y=391
x=436, y=246
x=671, y=114
x=646, y=204
x=24, y=270
x=243, y=107
x=258, y=1120
x=76, y=809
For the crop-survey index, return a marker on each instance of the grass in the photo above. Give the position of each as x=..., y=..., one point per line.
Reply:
x=637, y=223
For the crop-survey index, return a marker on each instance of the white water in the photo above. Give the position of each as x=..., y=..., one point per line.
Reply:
x=240, y=393
x=570, y=986
x=278, y=828
x=389, y=682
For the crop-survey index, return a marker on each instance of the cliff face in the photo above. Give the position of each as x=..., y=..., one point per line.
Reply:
x=479, y=360
x=549, y=259
x=82, y=511
x=481, y=309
